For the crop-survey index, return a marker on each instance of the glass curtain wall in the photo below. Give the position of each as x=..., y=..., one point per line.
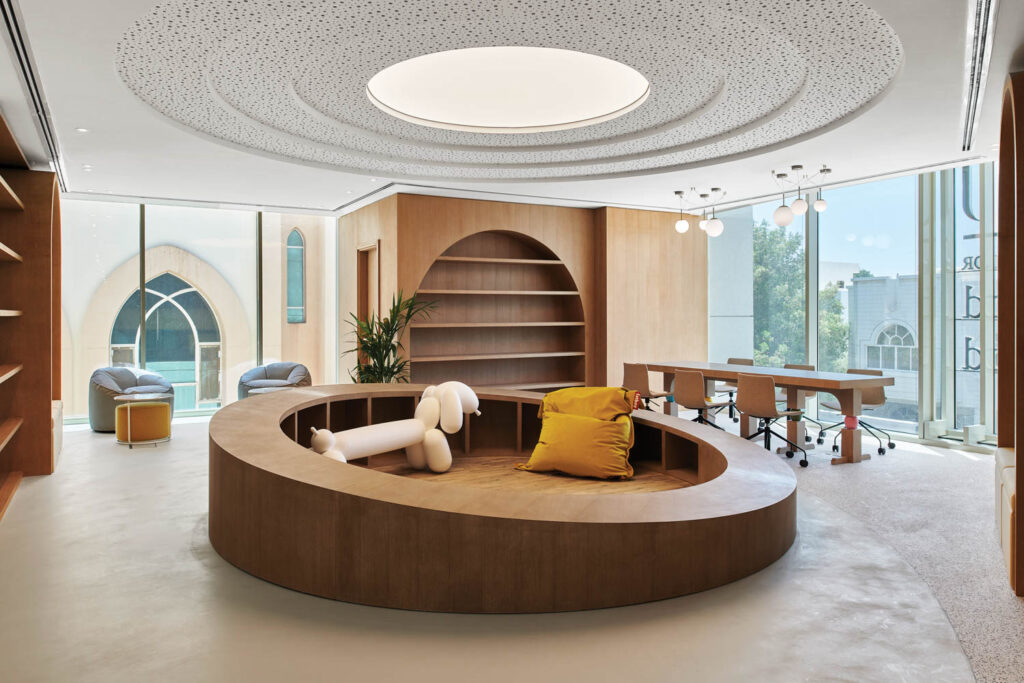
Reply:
x=868, y=251
x=867, y=291
x=760, y=315
x=202, y=293
x=963, y=303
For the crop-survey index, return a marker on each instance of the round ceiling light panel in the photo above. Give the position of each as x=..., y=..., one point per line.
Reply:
x=723, y=79
x=508, y=89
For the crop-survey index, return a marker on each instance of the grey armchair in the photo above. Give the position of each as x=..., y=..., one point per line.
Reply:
x=283, y=374
x=107, y=383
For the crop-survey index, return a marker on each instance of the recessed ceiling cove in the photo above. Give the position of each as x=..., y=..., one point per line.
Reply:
x=288, y=78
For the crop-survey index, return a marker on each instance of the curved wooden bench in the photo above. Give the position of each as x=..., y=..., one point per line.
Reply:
x=360, y=534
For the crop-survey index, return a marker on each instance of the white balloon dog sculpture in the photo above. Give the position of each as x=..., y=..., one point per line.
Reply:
x=424, y=444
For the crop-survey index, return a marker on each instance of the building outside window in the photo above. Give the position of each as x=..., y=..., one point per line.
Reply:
x=865, y=249
x=182, y=340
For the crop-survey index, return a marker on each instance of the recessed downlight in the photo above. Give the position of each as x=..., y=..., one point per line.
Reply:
x=81, y=130
x=508, y=89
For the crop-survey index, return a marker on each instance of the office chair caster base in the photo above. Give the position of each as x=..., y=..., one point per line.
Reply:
x=789, y=454
x=803, y=463
x=881, y=451
x=891, y=445
x=835, y=449
x=821, y=440
x=735, y=419
x=807, y=439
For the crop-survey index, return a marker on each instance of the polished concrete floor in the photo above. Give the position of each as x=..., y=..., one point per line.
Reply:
x=106, y=574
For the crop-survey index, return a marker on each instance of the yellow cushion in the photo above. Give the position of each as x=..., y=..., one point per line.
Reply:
x=583, y=446
x=602, y=403
x=150, y=420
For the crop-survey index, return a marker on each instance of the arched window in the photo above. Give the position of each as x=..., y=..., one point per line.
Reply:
x=894, y=349
x=182, y=340
x=296, y=277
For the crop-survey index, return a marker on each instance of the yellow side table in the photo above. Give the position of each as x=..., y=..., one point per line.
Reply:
x=142, y=419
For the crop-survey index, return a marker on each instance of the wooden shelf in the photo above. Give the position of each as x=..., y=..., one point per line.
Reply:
x=8, y=428
x=537, y=385
x=488, y=259
x=495, y=356
x=9, y=370
x=8, y=485
x=498, y=292
x=9, y=200
x=7, y=313
x=8, y=254
x=438, y=326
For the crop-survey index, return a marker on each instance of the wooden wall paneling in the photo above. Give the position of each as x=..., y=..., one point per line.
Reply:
x=28, y=286
x=656, y=288
x=1010, y=187
x=372, y=225
x=1010, y=305
x=55, y=302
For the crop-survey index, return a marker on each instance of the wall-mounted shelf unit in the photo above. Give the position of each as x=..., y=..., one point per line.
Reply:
x=508, y=315
x=9, y=370
x=8, y=254
x=29, y=293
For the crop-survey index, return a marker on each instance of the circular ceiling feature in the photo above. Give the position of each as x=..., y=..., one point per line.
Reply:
x=727, y=78
x=507, y=89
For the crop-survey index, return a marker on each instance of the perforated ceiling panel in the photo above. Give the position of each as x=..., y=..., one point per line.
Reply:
x=728, y=77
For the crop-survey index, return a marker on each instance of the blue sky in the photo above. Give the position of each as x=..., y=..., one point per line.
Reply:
x=873, y=225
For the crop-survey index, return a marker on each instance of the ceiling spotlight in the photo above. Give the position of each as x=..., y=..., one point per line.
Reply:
x=81, y=130
x=799, y=206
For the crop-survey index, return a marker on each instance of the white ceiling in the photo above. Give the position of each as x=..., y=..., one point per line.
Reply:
x=139, y=75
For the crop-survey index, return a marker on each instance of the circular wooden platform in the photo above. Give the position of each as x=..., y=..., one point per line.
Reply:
x=707, y=508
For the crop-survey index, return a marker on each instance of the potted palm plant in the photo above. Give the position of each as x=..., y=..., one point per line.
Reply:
x=378, y=341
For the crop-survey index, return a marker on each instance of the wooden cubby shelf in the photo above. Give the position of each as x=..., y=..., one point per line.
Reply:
x=438, y=326
x=496, y=356
x=8, y=199
x=498, y=292
x=8, y=428
x=504, y=298
x=8, y=254
x=511, y=261
x=9, y=370
x=8, y=313
x=536, y=385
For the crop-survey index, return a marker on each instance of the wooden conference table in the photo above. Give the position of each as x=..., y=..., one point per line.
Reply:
x=845, y=387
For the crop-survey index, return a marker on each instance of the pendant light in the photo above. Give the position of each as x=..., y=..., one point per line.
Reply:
x=783, y=215
x=820, y=204
x=682, y=225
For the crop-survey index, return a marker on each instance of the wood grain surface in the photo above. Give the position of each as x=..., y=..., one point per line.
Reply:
x=441, y=543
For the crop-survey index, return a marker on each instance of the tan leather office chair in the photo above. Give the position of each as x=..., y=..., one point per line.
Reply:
x=870, y=399
x=755, y=396
x=635, y=377
x=730, y=387
x=780, y=397
x=689, y=392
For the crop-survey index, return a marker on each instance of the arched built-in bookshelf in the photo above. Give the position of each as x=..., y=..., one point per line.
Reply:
x=508, y=315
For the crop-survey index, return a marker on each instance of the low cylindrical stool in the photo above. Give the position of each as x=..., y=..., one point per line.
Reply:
x=142, y=422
